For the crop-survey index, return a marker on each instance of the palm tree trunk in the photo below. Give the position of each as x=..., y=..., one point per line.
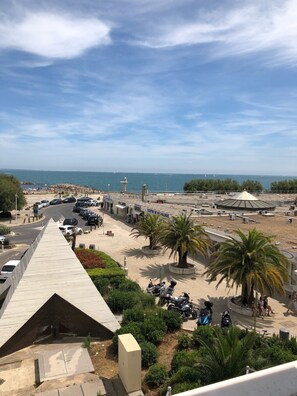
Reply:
x=182, y=259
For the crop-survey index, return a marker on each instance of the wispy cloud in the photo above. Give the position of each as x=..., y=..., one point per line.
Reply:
x=51, y=35
x=269, y=28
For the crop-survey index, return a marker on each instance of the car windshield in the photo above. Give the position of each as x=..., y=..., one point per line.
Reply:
x=8, y=268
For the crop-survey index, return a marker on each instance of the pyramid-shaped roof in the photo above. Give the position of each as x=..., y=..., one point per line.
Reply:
x=244, y=201
x=49, y=268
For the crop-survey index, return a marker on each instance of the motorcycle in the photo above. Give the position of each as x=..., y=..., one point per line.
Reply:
x=226, y=319
x=166, y=295
x=180, y=300
x=186, y=309
x=155, y=289
x=205, y=314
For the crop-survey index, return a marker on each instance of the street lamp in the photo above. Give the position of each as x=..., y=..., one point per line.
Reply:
x=108, y=185
x=16, y=207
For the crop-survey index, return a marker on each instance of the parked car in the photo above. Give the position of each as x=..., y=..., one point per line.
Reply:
x=69, y=200
x=2, y=239
x=56, y=201
x=39, y=204
x=44, y=203
x=70, y=230
x=73, y=221
x=94, y=219
x=76, y=208
x=7, y=269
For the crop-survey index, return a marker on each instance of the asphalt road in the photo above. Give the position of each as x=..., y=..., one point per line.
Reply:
x=26, y=234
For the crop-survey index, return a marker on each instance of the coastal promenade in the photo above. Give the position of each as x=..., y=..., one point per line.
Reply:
x=141, y=268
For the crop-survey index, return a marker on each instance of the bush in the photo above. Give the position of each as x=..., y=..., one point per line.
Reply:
x=133, y=315
x=95, y=273
x=206, y=332
x=184, y=341
x=185, y=386
x=90, y=258
x=133, y=328
x=184, y=359
x=172, y=319
x=146, y=300
x=4, y=230
x=102, y=285
x=118, y=300
x=186, y=374
x=128, y=285
x=149, y=354
x=156, y=375
x=154, y=329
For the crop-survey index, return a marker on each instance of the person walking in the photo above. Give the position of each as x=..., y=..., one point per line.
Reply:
x=292, y=302
x=267, y=308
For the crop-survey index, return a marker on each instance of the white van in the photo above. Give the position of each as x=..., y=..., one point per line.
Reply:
x=7, y=269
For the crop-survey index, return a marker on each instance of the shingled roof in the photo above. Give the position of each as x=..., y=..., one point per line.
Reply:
x=51, y=288
x=244, y=201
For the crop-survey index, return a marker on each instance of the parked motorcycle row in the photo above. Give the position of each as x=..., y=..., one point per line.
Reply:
x=184, y=306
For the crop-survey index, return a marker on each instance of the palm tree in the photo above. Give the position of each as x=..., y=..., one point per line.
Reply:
x=252, y=262
x=227, y=355
x=150, y=226
x=182, y=237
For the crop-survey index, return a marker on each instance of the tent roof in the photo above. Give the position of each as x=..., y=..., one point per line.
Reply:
x=244, y=201
x=50, y=267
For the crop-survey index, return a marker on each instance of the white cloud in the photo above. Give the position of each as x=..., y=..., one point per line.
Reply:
x=53, y=36
x=270, y=28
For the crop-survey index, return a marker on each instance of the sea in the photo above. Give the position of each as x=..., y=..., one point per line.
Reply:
x=111, y=181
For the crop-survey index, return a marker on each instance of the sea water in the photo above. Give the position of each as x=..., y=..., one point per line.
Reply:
x=111, y=181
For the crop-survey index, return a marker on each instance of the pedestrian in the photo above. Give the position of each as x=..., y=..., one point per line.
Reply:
x=267, y=307
x=292, y=302
x=261, y=310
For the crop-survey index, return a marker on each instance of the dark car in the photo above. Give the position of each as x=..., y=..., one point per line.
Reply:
x=56, y=201
x=95, y=220
x=69, y=200
x=73, y=221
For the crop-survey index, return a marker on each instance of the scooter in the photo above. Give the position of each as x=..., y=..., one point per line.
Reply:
x=226, y=319
x=166, y=295
x=180, y=300
x=186, y=310
x=155, y=289
x=205, y=314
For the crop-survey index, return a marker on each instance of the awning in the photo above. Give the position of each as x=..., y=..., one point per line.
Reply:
x=121, y=206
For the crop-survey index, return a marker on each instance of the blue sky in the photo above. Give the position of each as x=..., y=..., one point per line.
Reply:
x=189, y=86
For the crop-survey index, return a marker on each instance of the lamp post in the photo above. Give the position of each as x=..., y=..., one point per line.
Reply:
x=16, y=207
x=108, y=186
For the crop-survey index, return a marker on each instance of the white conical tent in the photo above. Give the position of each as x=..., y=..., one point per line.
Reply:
x=50, y=268
x=244, y=201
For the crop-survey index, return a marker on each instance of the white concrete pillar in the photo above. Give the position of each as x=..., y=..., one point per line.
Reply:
x=129, y=363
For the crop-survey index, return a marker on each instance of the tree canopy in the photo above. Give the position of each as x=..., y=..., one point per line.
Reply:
x=251, y=261
x=151, y=226
x=284, y=186
x=222, y=186
x=182, y=237
x=9, y=187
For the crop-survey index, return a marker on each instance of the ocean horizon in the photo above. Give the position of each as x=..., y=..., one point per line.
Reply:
x=111, y=181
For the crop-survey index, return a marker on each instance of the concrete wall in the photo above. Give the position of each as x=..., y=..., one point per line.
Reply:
x=129, y=363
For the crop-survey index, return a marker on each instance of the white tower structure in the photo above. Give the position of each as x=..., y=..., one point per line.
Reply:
x=124, y=184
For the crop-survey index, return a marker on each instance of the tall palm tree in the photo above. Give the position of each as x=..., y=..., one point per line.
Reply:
x=151, y=226
x=182, y=237
x=251, y=261
x=227, y=355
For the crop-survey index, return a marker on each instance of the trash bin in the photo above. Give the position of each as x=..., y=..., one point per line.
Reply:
x=82, y=246
x=92, y=246
x=126, y=271
x=284, y=334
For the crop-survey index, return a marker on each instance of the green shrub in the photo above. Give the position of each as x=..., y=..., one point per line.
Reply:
x=276, y=355
x=186, y=374
x=102, y=285
x=128, y=285
x=184, y=358
x=154, y=329
x=184, y=341
x=95, y=273
x=205, y=332
x=133, y=315
x=146, y=300
x=4, y=230
x=156, y=375
x=172, y=319
x=185, y=386
x=133, y=328
x=118, y=300
x=149, y=354
x=116, y=281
